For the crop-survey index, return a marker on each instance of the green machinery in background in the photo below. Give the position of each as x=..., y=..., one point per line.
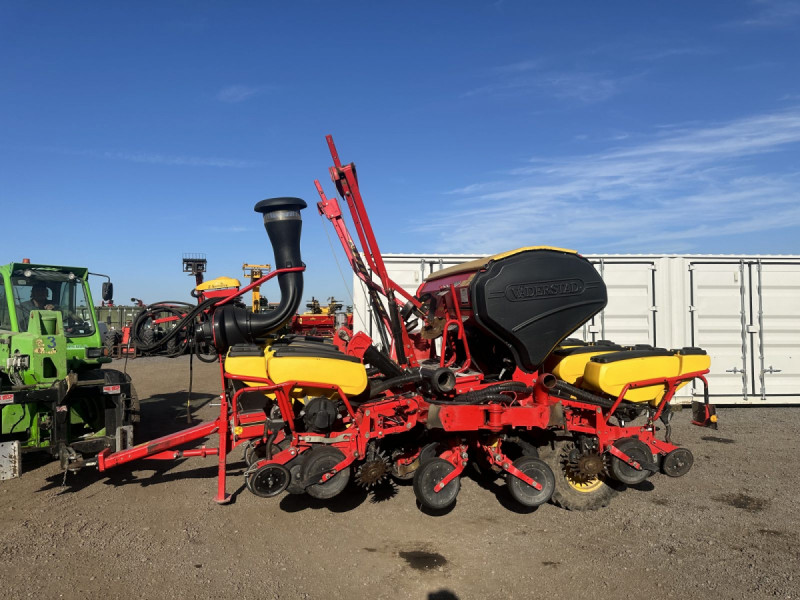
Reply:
x=54, y=395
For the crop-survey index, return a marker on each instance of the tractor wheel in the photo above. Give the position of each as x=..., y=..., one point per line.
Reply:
x=426, y=478
x=526, y=494
x=573, y=491
x=317, y=462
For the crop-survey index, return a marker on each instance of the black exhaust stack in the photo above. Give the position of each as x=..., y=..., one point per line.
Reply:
x=234, y=325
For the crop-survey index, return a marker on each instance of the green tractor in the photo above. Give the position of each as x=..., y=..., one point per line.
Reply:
x=54, y=395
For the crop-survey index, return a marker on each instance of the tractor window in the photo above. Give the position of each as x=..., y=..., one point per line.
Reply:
x=5, y=317
x=54, y=291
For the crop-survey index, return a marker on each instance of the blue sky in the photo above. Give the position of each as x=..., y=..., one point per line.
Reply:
x=131, y=133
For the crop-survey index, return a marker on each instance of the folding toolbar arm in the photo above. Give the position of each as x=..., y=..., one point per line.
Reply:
x=346, y=181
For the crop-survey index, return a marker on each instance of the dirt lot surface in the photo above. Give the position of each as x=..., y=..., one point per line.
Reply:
x=728, y=529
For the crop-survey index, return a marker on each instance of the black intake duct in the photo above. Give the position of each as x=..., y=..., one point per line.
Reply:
x=235, y=325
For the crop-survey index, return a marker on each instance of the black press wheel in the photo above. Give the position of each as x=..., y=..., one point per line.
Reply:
x=678, y=462
x=573, y=490
x=296, y=485
x=318, y=461
x=268, y=481
x=254, y=452
x=428, y=476
x=536, y=469
x=638, y=451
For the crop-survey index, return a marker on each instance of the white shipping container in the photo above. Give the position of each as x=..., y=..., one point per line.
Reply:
x=743, y=310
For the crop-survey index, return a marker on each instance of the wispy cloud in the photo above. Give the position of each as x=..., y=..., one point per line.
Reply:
x=772, y=14
x=678, y=188
x=185, y=161
x=533, y=77
x=676, y=52
x=229, y=229
x=233, y=94
x=154, y=158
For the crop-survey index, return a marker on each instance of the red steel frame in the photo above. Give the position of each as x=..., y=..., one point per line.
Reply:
x=163, y=448
x=580, y=417
x=388, y=415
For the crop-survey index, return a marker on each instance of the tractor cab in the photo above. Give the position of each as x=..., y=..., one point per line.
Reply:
x=65, y=290
x=53, y=395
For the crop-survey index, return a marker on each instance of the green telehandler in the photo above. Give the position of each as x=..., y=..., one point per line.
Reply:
x=54, y=394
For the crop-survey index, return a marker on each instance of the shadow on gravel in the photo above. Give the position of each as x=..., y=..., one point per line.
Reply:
x=166, y=413
x=352, y=497
x=719, y=440
x=137, y=473
x=442, y=595
x=489, y=481
x=743, y=502
x=645, y=486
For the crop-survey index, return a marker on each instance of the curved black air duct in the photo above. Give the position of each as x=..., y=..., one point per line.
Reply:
x=234, y=325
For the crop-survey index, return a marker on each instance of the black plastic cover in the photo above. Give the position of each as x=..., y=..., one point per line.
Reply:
x=689, y=350
x=307, y=348
x=532, y=300
x=629, y=354
x=587, y=349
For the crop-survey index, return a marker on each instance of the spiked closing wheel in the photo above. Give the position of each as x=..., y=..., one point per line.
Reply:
x=373, y=470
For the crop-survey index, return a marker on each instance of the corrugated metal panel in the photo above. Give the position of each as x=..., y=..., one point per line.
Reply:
x=779, y=352
x=744, y=310
x=719, y=319
x=629, y=317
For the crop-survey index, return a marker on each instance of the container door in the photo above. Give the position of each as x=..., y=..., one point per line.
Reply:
x=777, y=353
x=630, y=317
x=719, y=312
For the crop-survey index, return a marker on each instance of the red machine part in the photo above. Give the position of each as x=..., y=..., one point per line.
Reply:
x=475, y=416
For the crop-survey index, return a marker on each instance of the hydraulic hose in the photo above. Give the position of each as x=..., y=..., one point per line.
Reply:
x=382, y=362
x=489, y=394
x=405, y=379
x=186, y=322
x=590, y=398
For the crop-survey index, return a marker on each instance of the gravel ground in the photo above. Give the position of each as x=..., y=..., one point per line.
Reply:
x=728, y=529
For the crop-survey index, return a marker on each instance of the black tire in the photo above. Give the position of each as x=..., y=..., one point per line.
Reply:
x=296, y=485
x=148, y=337
x=572, y=494
x=110, y=340
x=317, y=462
x=515, y=447
x=427, y=476
x=134, y=409
x=537, y=470
x=625, y=473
